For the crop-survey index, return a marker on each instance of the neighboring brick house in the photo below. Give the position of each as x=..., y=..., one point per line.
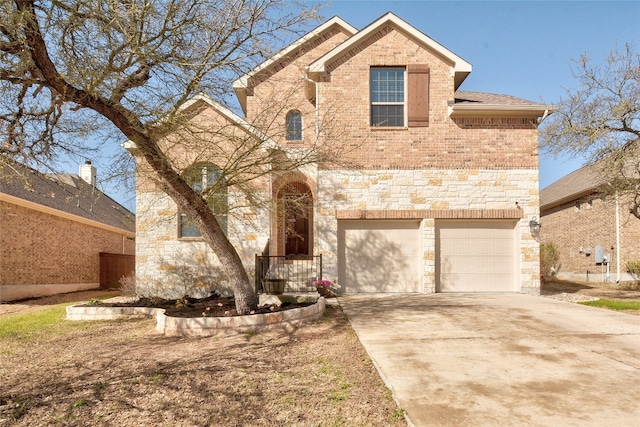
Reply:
x=445, y=185
x=53, y=229
x=581, y=221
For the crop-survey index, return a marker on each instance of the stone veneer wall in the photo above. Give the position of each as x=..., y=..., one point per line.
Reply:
x=412, y=193
x=169, y=267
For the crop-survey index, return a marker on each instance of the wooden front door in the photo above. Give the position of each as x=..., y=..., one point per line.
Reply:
x=297, y=208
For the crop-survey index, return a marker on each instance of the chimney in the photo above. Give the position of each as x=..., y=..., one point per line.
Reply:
x=88, y=173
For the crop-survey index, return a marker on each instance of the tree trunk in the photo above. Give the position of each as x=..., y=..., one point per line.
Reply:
x=190, y=202
x=197, y=210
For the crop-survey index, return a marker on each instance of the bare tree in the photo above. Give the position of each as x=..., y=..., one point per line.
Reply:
x=70, y=68
x=600, y=121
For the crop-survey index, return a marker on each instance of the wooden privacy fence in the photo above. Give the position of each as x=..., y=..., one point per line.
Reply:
x=113, y=267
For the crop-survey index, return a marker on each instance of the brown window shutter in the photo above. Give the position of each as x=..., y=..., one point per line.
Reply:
x=418, y=95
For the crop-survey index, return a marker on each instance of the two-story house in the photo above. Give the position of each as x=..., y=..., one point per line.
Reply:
x=435, y=193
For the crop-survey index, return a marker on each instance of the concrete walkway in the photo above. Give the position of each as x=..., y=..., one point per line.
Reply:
x=502, y=359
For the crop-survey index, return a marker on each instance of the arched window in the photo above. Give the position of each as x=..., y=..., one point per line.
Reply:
x=294, y=126
x=208, y=179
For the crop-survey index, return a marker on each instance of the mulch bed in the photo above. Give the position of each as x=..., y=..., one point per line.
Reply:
x=214, y=306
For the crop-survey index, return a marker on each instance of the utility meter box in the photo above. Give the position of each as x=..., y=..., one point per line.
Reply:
x=599, y=254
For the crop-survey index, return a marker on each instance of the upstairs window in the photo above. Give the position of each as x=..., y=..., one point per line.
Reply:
x=387, y=97
x=294, y=126
x=206, y=178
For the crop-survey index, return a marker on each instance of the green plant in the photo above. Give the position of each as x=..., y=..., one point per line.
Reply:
x=250, y=334
x=155, y=301
x=182, y=302
x=81, y=402
x=156, y=378
x=21, y=405
x=633, y=268
x=549, y=259
x=94, y=301
x=397, y=415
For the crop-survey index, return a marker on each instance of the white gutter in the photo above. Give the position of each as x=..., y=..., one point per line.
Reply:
x=480, y=109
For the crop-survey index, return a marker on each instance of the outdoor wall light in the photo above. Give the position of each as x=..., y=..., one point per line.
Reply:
x=534, y=226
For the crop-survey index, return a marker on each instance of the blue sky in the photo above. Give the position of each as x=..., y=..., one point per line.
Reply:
x=519, y=48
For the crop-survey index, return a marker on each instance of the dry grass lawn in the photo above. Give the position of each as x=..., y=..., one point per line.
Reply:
x=122, y=373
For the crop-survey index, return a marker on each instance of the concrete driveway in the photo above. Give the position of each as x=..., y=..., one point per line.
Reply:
x=502, y=359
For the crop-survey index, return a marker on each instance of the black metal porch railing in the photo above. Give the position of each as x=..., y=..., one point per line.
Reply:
x=299, y=273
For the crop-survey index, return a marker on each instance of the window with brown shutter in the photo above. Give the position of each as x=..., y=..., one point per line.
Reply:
x=387, y=96
x=418, y=95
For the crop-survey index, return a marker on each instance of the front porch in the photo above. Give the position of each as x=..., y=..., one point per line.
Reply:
x=297, y=272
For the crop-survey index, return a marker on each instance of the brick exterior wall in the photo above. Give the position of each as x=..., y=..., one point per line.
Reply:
x=42, y=254
x=467, y=167
x=464, y=143
x=579, y=225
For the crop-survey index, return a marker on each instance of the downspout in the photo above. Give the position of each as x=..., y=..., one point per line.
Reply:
x=317, y=130
x=617, y=239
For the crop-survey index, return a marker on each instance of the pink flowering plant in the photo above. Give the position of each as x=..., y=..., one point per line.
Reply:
x=324, y=287
x=322, y=284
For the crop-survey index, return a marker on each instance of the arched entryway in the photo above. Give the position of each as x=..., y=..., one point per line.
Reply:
x=295, y=220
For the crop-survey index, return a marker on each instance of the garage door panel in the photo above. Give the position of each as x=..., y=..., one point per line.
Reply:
x=475, y=256
x=379, y=256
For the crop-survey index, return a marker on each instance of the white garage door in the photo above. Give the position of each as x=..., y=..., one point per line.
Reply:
x=476, y=256
x=379, y=256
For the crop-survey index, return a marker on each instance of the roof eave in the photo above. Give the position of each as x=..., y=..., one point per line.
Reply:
x=241, y=84
x=131, y=146
x=569, y=198
x=460, y=68
x=499, y=110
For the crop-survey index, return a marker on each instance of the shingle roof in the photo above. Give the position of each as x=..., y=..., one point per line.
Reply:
x=472, y=98
x=571, y=187
x=64, y=192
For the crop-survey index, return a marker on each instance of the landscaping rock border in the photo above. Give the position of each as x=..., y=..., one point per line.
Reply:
x=287, y=320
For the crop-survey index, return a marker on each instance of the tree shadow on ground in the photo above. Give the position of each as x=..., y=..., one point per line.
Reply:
x=553, y=285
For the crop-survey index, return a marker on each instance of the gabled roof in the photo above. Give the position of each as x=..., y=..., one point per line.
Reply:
x=224, y=111
x=241, y=84
x=574, y=186
x=62, y=193
x=594, y=177
x=460, y=68
x=479, y=103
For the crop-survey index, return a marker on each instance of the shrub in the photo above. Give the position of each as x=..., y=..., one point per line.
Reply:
x=633, y=268
x=128, y=285
x=549, y=259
